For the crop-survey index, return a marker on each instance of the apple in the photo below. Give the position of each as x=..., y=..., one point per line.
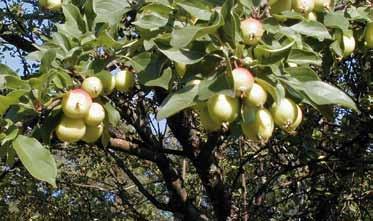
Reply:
x=257, y=96
x=70, y=130
x=252, y=31
x=96, y=115
x=312, y=16
x=284, y=113
x=369, y=35
x=243, y=80
x=279, y=6
x=124, y=80
x=76, y=103
x=257, y=124
x=347, y=43
x=303, y=6
x=180, y=69
x=207, y=122
x=108, y=81
x=323, y=5
x=93, y=86
x=297, y=121
x=52, y=5
x=222, y=108
x=93, y=133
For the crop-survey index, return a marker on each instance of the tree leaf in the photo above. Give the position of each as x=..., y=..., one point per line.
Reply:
x=312, y=29
x=10, y=99
x=184, y=56
x=37, y=160
x=112, y=114
x=111, y=11
x=196, y=8
x=302, y=74
x=299, y=56
x=183, y=36
x=162, y=81
x=322, y=94
x=177, y=101
x=336, y=20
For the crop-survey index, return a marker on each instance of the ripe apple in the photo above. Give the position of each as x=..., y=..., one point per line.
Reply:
x=93, y=86
x=257, y=124
x=279, y=6
x=243, y=80
x=257, y=96
x=124, y=80
x=96, y=115
x=180, y=69
x=303, y=6
x=222, y=108
x=369, y=35
x=52, y=5
x=323, y=5
x=93, y=133
x=207, y=122
x=76, y=103
x=70, y=130
x=252, y=31
x=297, y=121
x=284, y=113
x=347, y=43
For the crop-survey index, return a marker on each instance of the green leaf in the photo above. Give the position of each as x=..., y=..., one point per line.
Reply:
x=302, y=74
x=90, y=13
x=269, y=55
x=183, y=36
x=184, y=56
x=197, y=8
x=15, y=82
x=10, y=99
x=162, y=81
x=73, y=17
x=112, y=114
x=5, y=70
x=151, y=22
x=140, y=61
x=111, y=11
x=322, y=94
x=336, y=20
x=177, y=101
x=217, y=83
x=36, y=159
x=299, y=56
x=231, y=28
x=312, y=29
x=46, y=61
x=361, y=13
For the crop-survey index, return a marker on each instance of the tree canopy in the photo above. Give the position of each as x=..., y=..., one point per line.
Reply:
x=186, y=110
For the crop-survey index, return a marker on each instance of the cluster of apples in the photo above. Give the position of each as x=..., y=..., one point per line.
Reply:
x=252, y=29
x=257, y=122
x=82, y=117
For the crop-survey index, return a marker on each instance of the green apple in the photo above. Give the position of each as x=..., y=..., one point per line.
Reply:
x=252, y=31
x=223, y=108
x=303, y=6
x=323, y=5
x=93, y=133
x=369, y=35
x=96, y=115
x=257, y=96
x=207, y=122
x=70, y=130
x=297, y=121
x=284, y=113
x=279, y=6
x=257, y=123
x=93, y=86
x=347, y=43
x=76, y=103
x=312, y=16
x=124, y=80
x=52, y=5
x=243, y=80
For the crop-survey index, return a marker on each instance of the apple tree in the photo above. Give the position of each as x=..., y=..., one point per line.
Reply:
x=221, y=102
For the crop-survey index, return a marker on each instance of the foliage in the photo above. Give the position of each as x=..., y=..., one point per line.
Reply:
x=154, y=150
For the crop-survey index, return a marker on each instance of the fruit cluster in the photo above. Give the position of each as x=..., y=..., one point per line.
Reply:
x=82, y=117
x=257, y=122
